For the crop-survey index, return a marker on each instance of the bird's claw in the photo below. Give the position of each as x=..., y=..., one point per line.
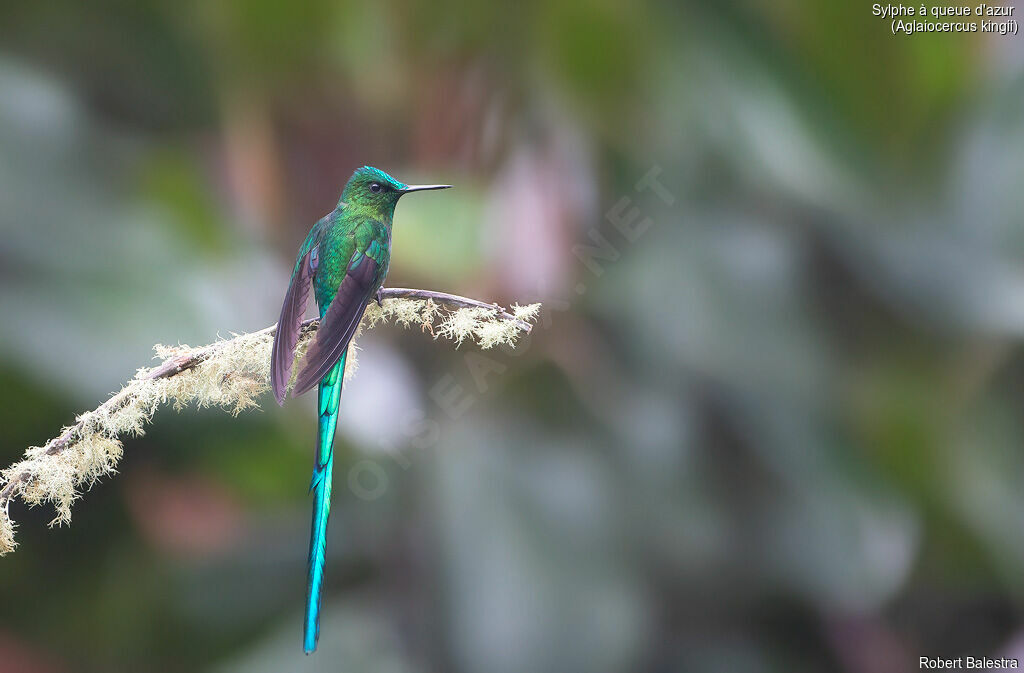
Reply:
x=380, y=296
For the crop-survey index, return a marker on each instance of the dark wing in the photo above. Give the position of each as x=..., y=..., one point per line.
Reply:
x=339, y=323
x=288, y=327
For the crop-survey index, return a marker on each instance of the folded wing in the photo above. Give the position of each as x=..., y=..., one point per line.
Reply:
x=288, y=327
x=340, y=322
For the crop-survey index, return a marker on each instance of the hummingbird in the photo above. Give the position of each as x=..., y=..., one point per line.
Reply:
x=345, y=259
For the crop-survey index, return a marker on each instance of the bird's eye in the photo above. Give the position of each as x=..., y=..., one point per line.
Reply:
x=375, y=187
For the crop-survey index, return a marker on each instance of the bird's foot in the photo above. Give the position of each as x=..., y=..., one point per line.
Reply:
x=380, y=296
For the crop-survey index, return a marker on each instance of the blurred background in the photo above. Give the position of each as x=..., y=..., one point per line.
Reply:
x=770, y=418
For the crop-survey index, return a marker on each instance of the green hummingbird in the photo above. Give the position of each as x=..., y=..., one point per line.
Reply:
x=344, y=258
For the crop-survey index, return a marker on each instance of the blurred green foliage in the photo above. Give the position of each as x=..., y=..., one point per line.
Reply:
x=779, y=431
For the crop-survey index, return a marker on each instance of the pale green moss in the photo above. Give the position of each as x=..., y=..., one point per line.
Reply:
x=526, y=313
x=233, y=376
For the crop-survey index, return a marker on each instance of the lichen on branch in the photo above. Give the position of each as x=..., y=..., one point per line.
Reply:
x=230, y=374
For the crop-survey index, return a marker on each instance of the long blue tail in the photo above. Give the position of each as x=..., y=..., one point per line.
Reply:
x=330, y=395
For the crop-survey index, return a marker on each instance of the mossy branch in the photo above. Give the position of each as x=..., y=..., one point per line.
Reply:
x=230, y=374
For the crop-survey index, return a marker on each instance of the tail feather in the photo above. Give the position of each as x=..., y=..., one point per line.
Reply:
x=330, y=395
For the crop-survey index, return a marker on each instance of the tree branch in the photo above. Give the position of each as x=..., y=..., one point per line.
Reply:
x=454, y=300
x=235, y=383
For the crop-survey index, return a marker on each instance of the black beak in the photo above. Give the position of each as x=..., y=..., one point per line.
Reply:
x=423, y=188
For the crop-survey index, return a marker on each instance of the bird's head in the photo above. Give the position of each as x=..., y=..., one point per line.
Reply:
x=374, y=190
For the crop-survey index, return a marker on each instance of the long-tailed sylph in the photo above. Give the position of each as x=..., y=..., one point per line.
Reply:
x=344, y=259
